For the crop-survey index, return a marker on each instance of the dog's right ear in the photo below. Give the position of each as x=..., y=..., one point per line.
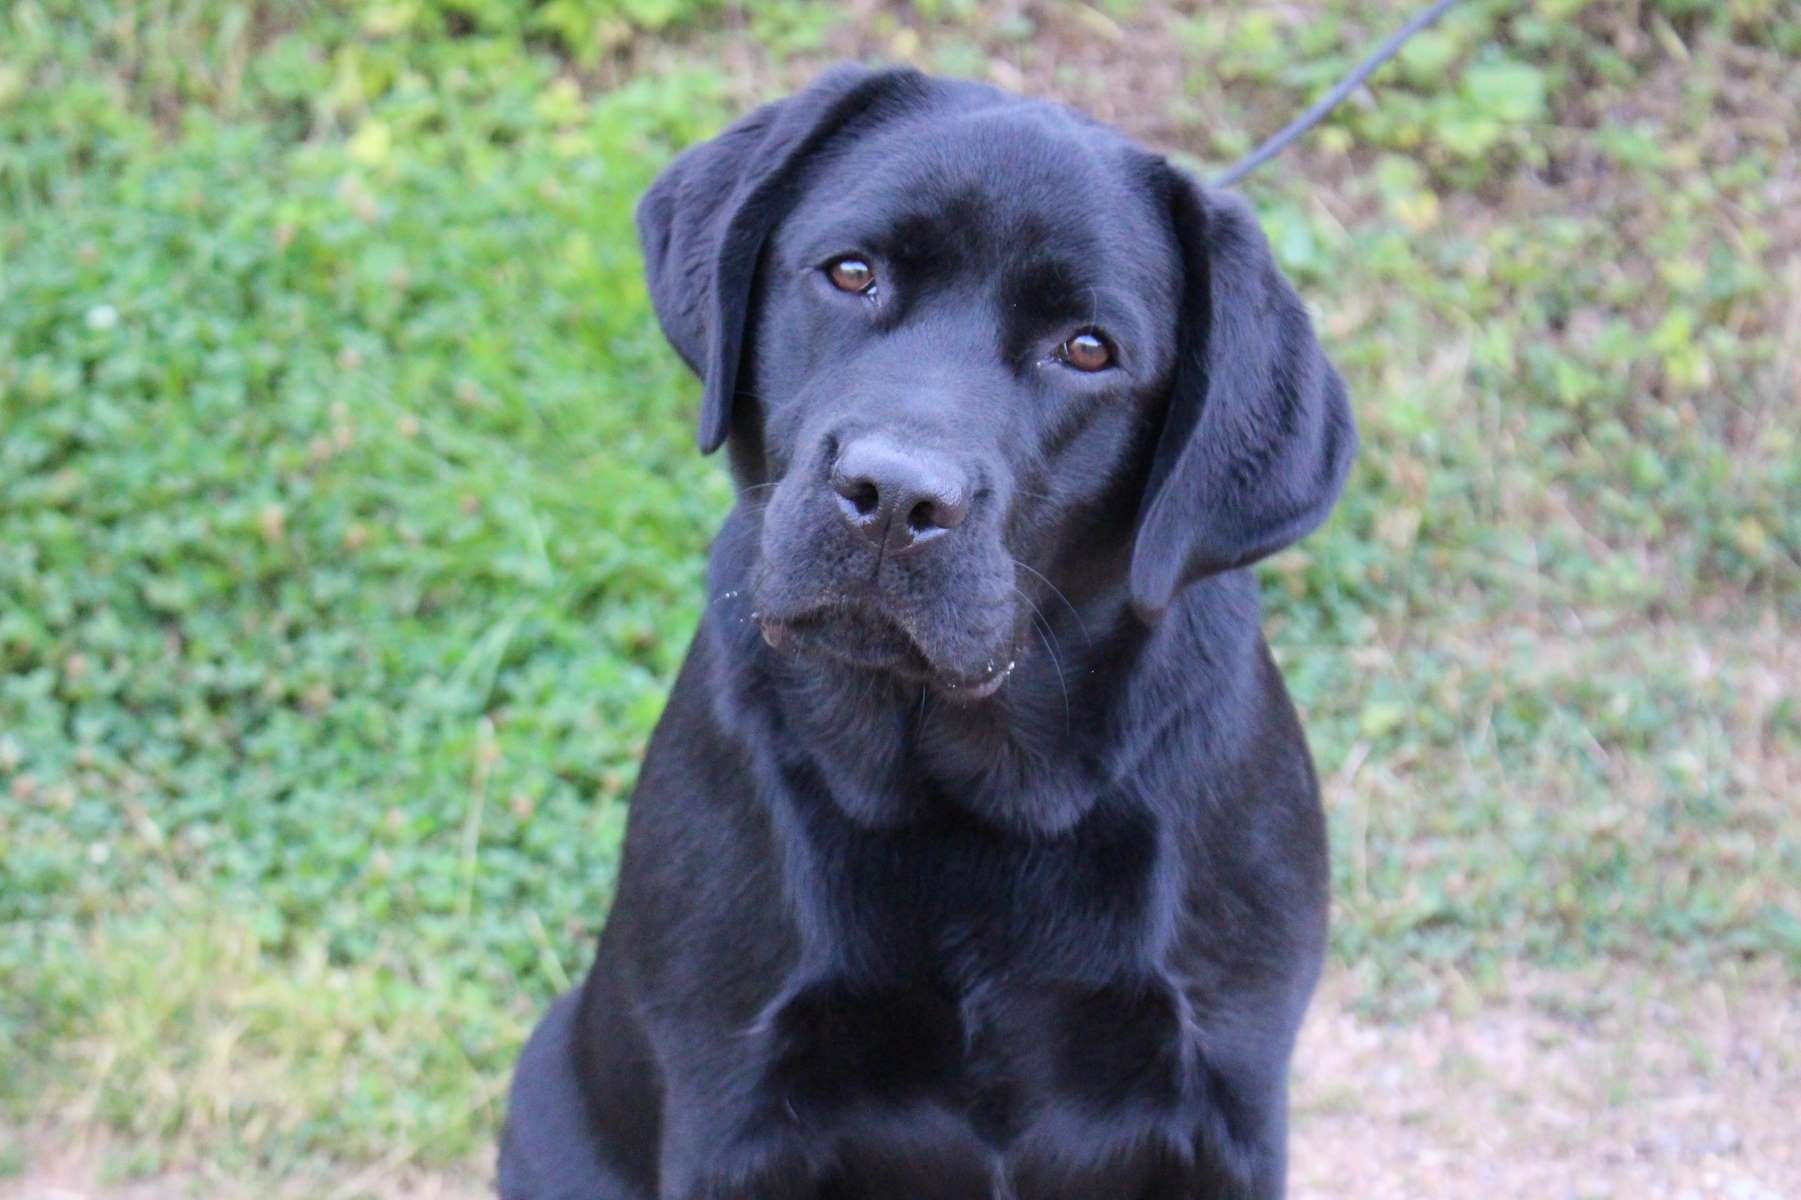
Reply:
x=704, y=221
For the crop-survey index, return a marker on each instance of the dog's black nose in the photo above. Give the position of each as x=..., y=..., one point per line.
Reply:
x=898, y=497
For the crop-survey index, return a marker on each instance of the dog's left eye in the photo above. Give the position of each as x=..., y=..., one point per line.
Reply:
x=851, y=275
x=1087, y=351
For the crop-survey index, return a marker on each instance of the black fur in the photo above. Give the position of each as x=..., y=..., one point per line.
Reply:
x=1005, y=874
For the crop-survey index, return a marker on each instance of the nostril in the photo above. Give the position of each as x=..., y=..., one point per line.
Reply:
x=861, y=497
x=923, y=518
x=937, y=513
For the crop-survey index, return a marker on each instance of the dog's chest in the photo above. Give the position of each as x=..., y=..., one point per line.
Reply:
x=1036, y=1089
x=1004, y=993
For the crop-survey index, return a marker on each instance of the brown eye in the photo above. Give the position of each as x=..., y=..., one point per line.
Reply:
x=851, y=275
x=1086, y=352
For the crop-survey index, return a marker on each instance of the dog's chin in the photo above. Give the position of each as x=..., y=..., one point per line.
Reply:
x=870, y=641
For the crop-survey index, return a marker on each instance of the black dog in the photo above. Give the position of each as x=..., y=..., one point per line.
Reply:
x=978, y=853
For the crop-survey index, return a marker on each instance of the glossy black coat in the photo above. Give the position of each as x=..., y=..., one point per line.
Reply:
x=1006, y=874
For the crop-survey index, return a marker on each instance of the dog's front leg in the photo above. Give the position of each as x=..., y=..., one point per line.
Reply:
x=759, y=1169
x=724, y=1140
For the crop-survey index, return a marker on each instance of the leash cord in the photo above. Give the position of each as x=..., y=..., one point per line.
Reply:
x=1331, y=99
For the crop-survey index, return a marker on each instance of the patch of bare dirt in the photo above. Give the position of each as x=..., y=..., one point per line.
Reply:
x=1583, y=1086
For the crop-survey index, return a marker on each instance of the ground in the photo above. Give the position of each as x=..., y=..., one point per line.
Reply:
x=351, y=530
x=1615, y=1085
x=1607, y=1084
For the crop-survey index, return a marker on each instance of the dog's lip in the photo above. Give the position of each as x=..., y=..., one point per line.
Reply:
x=813, y=629
x=981, y=687
x=833, y=631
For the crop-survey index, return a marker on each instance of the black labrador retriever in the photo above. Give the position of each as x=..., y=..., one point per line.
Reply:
x=978, y=852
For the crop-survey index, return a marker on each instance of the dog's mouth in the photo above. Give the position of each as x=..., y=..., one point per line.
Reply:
x=871, y=640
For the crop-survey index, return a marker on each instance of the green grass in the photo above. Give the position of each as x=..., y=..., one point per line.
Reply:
x=350, y=526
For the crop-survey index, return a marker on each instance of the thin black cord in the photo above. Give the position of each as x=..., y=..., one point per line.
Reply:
x=1331, y=99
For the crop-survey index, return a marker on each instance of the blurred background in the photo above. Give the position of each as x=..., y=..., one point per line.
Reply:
x=351, y=529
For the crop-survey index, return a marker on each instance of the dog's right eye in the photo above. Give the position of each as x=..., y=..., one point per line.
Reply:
x=851, y=275
x=1087, y=351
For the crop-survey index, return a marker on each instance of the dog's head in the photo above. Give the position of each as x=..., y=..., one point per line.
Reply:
x=963, y=345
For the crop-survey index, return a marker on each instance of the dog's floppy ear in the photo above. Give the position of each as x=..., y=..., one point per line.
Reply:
x=704, y=221
x=1258, y=435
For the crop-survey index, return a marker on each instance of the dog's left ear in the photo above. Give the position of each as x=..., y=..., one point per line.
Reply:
x=703, y=222
x=1258, y=435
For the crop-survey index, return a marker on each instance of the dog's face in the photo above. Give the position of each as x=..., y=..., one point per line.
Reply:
x=961, y=335
x=964, y=346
